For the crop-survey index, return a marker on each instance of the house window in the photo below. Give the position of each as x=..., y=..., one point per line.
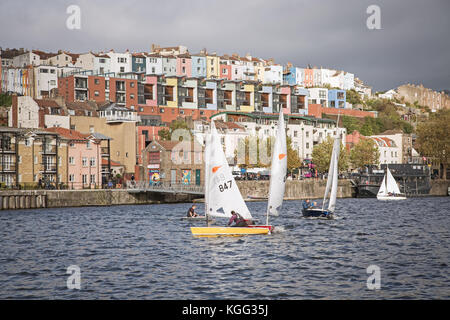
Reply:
x=71, y=178
x=92, y=178
x=97, y=81
x=84, y=178
x=71, y=160
x=85, y=162
x=96, y=93
x=131, y=84
x=131, y=96
x=92, y=162
x=122, y=69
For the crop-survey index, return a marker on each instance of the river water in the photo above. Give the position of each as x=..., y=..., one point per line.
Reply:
x=148, y=252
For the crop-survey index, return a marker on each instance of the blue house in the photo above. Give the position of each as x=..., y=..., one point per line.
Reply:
x=289, y=76
x=198, y=66
x=336, y=98
x=138, y=63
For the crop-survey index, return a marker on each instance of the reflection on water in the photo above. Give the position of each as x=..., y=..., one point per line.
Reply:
x=146, y=252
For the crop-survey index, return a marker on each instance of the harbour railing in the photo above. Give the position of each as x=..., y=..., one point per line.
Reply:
x=163, y=187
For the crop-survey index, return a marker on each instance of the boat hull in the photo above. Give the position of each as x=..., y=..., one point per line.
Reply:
x=196, y=219
x=391, y=198
x=227, y=231
x=262, y=226
x=316, y=213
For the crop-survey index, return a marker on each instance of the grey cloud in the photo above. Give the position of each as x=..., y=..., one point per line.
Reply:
x=412, y=46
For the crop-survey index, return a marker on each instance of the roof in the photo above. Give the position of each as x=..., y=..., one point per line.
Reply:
x=228, y=125
x=273, y=116
x=68, y=134
x=44, y=103
x=82, y=105
x=99, y=136
x=115, y=107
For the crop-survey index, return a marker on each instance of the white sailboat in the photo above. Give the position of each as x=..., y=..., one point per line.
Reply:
x=331, y=187
x=278, y=171
x=222, y=194
x=389, y=189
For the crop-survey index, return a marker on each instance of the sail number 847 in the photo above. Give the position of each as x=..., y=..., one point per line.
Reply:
x=226, y=185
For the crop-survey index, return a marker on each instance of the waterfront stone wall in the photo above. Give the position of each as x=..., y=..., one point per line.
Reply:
x=305, y=189
x=295, y=189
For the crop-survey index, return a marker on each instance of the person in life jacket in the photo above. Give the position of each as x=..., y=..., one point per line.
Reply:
x=191, y=212
x=238, y=220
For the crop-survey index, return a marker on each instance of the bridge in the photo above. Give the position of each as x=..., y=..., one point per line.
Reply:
x=176, y=188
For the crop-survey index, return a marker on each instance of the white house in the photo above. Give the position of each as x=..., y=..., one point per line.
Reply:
x=318, y=96
x=26, y=59
x=85, y=61
x=273, y=74
x=120, y=62
x=390, y=151
x=390, y=94
x=153, y=64
x=46, y=80
x=102, y=63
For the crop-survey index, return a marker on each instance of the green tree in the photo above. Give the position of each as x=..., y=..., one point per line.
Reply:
x=5, y=99
x=166, y=134
x=293, y=159
x=433, y=139
x=365, y=152
x=353, y=97
x=321, y=155
x=351, y=124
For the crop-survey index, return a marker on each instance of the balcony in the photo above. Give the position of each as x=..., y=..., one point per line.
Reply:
x=104, y=151
x=48, y=149
x=8, y=167
x=121, y=116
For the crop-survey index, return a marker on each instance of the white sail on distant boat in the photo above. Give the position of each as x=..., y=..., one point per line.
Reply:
x=222, y=194
x=278, y=170
x=389, y=189
x=330, y=194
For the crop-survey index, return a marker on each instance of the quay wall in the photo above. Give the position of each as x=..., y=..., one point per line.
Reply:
x=304, y=189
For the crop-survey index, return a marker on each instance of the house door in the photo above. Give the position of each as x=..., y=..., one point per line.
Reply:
x=173, y=176
x=197, y=177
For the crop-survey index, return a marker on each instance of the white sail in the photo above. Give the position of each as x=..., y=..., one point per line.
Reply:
x=391, y=184
x=207, y=160
x=278, y=169
x=335, y=173
x=382, y=190
x=223, y=192
x=329, y=179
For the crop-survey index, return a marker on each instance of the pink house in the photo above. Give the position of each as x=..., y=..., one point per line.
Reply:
x=285, y=99
x=184, y=65
x=83, y=159
x=225, y=72
x=150, y=90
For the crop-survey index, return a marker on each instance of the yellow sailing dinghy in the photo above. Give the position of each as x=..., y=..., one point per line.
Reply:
x=222, y=194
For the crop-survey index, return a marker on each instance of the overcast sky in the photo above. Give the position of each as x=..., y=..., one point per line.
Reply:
x=412, y=45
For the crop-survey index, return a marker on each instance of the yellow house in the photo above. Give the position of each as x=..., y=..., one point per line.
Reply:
x=249, y=105
x=172, y=85
x=212, y=66
x=29, y=156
